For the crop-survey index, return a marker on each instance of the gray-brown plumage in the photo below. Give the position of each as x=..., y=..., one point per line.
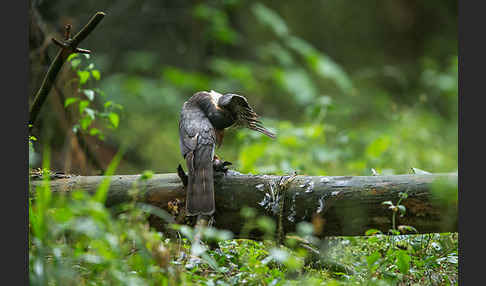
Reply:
x=201, y=128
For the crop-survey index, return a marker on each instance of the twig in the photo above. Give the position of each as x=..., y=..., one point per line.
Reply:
x=68, y=46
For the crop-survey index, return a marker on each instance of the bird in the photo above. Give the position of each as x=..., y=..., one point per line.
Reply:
x=203, y=119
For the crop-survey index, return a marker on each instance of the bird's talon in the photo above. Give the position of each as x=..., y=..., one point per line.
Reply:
x=220, y=165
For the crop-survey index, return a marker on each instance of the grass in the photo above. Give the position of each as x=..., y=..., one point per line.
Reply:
x=77, y=241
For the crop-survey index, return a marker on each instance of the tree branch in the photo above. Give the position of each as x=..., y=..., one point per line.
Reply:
x=68, y=46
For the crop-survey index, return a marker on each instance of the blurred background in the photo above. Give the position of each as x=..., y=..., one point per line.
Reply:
x=347, y=85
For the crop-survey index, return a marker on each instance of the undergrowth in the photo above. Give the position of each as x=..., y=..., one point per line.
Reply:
x=75, y=240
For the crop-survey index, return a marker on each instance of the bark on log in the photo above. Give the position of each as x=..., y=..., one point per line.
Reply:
x=340, y=205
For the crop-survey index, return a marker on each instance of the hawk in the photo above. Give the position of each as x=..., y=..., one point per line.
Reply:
x=203, y=119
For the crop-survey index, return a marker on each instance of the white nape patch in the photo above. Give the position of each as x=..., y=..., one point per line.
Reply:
x=215, y=96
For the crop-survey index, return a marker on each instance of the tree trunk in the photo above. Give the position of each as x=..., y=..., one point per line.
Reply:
x=338, y=205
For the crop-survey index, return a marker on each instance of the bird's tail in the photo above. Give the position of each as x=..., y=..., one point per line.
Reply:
x=200, y=185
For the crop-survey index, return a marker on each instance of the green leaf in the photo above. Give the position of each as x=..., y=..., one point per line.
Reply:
x=96, y=74
x=108, y=103
x=146, y=175
x=389, y=203
x=394, y=232
x=320, y=63
x=373, y=231
x=270, y=18
x=403, y=262
x=85, y=122
x=102, y=190
x=83, y=76
x=373, y=258
x=114, y=119
x=72, y=56
x=82, y=105
x=70, y=100
x=94, y=131
x=75, y=63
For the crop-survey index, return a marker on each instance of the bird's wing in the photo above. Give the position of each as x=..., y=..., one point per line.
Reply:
x=190, y=127
x=197, y=140
x=245, y=115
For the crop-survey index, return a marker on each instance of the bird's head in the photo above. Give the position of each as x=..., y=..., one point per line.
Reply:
x=244, y=115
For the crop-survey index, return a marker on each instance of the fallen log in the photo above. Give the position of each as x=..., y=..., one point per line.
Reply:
x=336, y=205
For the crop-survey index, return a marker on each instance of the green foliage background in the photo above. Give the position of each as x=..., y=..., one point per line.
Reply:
x=347, y=86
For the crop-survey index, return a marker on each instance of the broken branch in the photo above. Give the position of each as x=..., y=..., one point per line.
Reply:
x=68, y=46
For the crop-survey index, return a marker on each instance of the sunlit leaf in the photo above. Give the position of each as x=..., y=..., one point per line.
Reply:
x=82, y=105
x=72, y=56
x=94, y=131
x=96, y=74
x=70, y=100
x=85, y=122
x=114, y=119
x=83, y=76
x=146, y=175
x=373, y=231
